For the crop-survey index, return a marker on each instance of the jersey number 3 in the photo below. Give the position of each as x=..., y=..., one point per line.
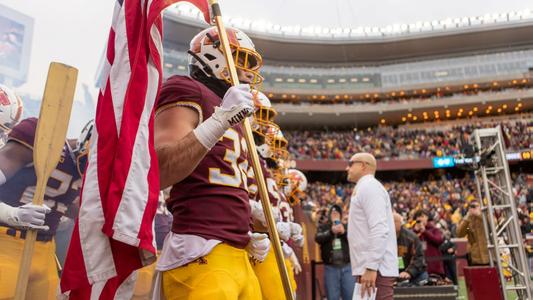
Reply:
x=239, y=177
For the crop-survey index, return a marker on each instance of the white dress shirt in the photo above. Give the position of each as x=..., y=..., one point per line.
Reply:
x=371, y=231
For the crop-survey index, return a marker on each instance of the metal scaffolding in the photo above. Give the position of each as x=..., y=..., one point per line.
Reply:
x=500, y=218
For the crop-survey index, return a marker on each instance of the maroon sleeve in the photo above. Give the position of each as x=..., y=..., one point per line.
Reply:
x=434, y=236
x=24, y=132
x=180, y=91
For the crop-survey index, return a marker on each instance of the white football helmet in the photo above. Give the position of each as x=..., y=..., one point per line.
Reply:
x=296, y=187
x=10, y=108
x=262, y=123
x=279, y=147
x=82, y=146
x=206, y=55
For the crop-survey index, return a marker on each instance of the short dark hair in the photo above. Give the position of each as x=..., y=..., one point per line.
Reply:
x=422, y=212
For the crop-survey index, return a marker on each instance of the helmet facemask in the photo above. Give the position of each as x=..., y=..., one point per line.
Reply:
x=206, y=56
x=82, y=147
x=297, y=186
x=262, y=123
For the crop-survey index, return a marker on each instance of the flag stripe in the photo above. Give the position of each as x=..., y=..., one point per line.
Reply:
x=113, y=235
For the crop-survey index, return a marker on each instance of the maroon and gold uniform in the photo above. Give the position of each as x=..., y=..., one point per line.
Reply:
x=211, y=203
x=267, y=271
x=285, y=209
x=61, y=192
x=272, y=188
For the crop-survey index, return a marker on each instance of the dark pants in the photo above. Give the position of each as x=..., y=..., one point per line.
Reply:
x=384, y=286
x=421, y=279
x=450, y=268
x=339, y=282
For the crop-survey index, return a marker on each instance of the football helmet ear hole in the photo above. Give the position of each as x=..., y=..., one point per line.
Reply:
x=209, y=57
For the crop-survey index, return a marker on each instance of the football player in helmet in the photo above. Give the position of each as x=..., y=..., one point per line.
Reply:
x=202, y=154
x=10, y=112
x=290, y=232
x=271, y=146
x=264, y=130
x=17, y=213
x=297, y=184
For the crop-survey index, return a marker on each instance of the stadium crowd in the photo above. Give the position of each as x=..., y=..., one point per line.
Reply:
x=386, y=142
x=446, y=201
x=446, y=197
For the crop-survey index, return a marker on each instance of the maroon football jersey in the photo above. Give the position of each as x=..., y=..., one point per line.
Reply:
x=212, y=202
x=285, y=209
x=272, y=188
x=63, y=186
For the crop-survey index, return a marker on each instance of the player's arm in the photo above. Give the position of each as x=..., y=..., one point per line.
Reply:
x=178, y=149
x=181, y=143
x=13, y=157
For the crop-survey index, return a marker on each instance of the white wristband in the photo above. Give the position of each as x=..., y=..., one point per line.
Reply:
x=3, y=178
x=209, y=132
x=6, y=213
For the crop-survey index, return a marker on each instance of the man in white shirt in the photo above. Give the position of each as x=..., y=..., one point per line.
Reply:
x=371, y=231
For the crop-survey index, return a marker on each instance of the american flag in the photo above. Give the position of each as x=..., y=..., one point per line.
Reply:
x=113, y=235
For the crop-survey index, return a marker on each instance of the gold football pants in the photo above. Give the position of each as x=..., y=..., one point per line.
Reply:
x=224, y=274
x=43, y=282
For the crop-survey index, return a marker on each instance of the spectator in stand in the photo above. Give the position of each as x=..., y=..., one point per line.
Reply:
x=472, y=227
x=412, y=264
x=432, y=239
x=386, y=142
x=335, y=253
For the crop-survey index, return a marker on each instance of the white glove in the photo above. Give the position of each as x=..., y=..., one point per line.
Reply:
x=284, y=230
x=257, y=211
x=287, y=250
x=296, y=229
x=25, y=216
x=259, y=215
x=236, y=105
x=296, y=234
x=298, y=240
x=258, y=246
x=296, y=267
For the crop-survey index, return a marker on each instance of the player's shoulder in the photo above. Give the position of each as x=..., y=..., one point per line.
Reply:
x=24, y=132
x=178, y=87
x=187, y=92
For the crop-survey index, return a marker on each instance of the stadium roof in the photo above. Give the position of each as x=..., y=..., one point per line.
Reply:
x=328, y=19
x=504, y=32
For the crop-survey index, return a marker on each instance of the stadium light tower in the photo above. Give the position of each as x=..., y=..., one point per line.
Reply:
x=495, y=190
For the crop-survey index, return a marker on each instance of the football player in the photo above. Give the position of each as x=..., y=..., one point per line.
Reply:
x=266, y=134
x=290, y=232
x=17, y=213
x=202, y=154
x=264, y=130
x=10, y=112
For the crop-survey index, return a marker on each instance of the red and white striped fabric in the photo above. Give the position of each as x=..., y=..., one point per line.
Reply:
x=113, y=235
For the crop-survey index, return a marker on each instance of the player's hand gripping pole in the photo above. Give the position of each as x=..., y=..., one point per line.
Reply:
x=215, y=8
x=49, y=141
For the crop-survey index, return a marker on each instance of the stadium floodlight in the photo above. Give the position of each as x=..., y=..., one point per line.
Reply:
x=259, y=25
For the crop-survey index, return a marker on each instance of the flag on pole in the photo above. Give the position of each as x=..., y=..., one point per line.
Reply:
x=113, y=235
